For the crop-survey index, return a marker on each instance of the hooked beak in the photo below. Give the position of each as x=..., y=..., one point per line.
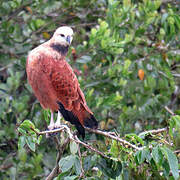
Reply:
x=68, y=39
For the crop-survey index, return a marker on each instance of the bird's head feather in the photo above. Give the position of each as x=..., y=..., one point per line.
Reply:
x=63, y=35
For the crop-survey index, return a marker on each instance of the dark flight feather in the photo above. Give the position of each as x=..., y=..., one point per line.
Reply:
x=69, y=116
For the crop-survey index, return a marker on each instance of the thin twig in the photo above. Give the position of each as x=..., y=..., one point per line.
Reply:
x=55, y=172
x=83, y=24
x=76, y=139
x=176, y=75
x=48, y=131
x=125, y=21
x=177, y=151
x=80, y=158
x=169, y=110
x=162, y=73
x=7, y=66
x=154, y=131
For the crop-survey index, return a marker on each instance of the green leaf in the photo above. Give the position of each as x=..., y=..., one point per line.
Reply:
x=62, y=175
x=166, y=167
x=22, y=131
x=128, y=37
x=39, y=139
x=93, y=31
x=21, y=142
x=176, y=120
x=22, y=154
x=103, y=43
x=141, y=155
x=70, y=177
x=157, y=155
x=84, y=59
x=172, y=160
x=39, y=23
x=104, y=24
x=73, y=147
x=114, y=148
x=67, y=163
x=127, y=4
x=27, y=125
x=119, y=51
x=31, y=144
x=77, y=165
x=177, y=20
x=127, y=63
x=174, y=126
x=110, y=167
x=134, y=138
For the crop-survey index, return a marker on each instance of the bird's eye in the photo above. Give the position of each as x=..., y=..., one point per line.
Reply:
x=62, y=35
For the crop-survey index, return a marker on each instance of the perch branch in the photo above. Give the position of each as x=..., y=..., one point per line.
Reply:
x=47, y=131
x=106, y=134
x=73, y=137
x=113, y=136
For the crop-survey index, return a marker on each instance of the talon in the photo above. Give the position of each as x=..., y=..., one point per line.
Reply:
x=51, y=126
x=58, y=122
x=57, y=125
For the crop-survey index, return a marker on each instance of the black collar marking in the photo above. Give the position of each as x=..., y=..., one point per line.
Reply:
x=60, y=48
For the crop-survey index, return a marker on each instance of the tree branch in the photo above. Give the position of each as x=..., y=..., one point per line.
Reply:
x=76, y=139
x=80, y=158
x=155, y=131
x=55, y=172
x=115, y=137
x=110, y=135
x=169, y=110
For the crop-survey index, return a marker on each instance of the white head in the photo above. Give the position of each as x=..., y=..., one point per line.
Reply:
x=63, y=35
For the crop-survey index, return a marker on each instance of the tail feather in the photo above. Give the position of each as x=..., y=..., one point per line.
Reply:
x=69, y=116
x=79, y=119
x=90, y=122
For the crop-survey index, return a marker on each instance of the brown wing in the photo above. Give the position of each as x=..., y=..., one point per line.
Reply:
x=65, y=84
x=52, y=79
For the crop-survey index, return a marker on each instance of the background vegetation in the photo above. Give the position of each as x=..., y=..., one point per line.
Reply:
x=126, y=55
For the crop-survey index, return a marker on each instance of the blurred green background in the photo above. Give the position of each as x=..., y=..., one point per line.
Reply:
x=126, y=55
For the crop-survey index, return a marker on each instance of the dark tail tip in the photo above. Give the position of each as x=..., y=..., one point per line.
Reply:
x=69, y=116
x=91, y=122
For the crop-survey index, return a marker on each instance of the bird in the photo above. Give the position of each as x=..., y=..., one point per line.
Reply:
x=55, y=84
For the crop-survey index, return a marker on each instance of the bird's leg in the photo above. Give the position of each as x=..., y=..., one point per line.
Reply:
x=51, y=125
x=58, y=121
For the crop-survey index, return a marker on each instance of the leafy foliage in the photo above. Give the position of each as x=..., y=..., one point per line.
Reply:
x=126, y=56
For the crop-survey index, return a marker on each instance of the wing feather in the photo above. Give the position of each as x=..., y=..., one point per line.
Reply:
x=65, y=84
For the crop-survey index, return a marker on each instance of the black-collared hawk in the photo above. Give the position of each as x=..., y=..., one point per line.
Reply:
x=54, y=83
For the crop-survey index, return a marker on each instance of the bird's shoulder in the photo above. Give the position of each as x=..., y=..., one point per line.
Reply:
x=63, y=74
x=64, y=82
x=44, y=52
